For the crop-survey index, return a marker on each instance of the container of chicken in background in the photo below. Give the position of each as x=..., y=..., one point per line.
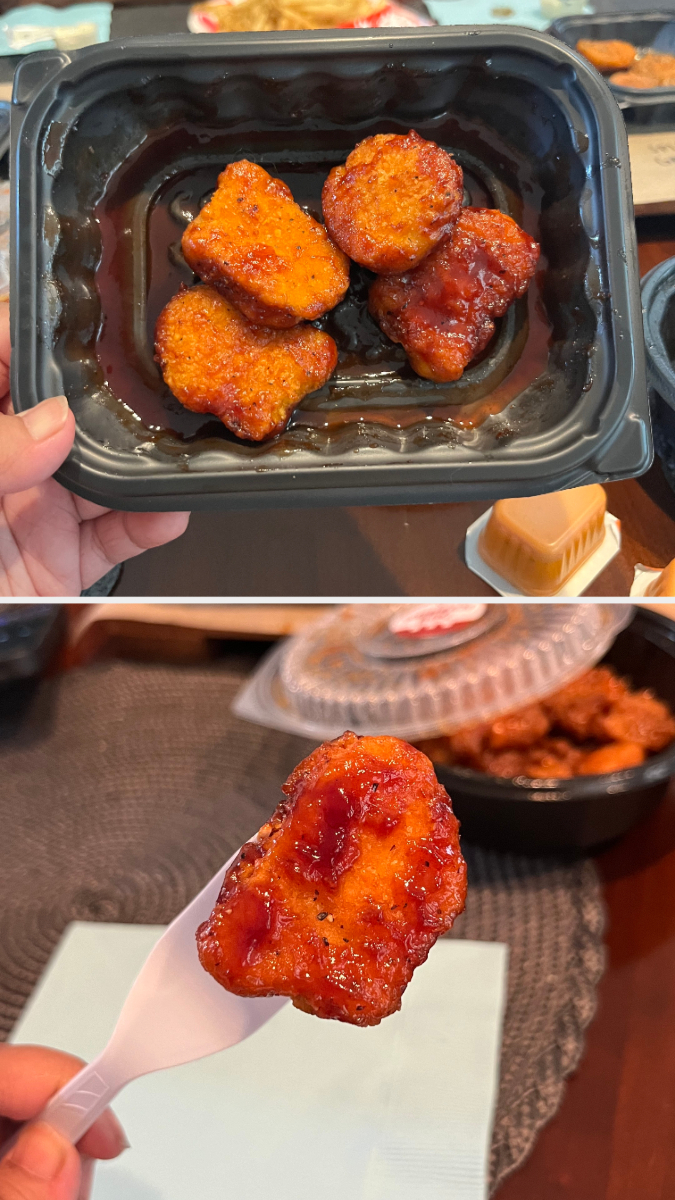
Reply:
x=635, y=53
x=565, y=711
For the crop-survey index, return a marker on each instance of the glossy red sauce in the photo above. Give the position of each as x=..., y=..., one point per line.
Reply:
x=286, y=922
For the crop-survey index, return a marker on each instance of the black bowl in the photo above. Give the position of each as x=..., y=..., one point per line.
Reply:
x=539, y=816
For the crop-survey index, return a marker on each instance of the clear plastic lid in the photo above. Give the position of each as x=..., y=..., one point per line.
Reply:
x=338, y=674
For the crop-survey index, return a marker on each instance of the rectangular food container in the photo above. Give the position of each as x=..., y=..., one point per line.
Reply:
x=115, y=146
x=640, y=28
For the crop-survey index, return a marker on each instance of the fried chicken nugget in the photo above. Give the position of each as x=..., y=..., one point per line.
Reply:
x=638, y=718
x=252, y=378
x=579, y=707
x=258, y=247
x=347, y=887
x=607, y=56
x=392, y=201
x=442, y=312
x=631, y=79
x=617, y=756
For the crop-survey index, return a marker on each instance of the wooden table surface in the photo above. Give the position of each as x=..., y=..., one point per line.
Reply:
x=614, y=1136
x=409, y=551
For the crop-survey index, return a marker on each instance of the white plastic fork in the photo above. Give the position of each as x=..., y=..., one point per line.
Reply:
x=175, y=1013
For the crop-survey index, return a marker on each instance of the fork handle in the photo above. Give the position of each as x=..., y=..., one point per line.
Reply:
x=73, y=1110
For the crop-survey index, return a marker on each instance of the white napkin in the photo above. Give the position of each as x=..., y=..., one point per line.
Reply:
x=304, y=1108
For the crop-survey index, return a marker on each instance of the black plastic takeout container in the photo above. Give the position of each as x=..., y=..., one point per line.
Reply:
x=535, y=816
x=114, y=147
x=640, y=28
x=658, y=306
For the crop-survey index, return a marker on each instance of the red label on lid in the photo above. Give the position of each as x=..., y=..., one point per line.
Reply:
x=431, y=620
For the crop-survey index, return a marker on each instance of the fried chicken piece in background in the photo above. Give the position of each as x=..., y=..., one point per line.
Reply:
x=249, y=377
x=442, y=312
x=347, y=888
x=578, y=707
x=607, y=55
x=639, y=718
x=392, y=201
x=262, y=252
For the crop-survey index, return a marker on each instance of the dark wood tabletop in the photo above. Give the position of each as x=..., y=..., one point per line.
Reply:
x=406, y=551
x=614, y=1135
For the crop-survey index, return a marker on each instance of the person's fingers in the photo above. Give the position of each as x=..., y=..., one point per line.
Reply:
x=34, y=443
x=31, y=1075
x=111, y=539
x=41, y=1166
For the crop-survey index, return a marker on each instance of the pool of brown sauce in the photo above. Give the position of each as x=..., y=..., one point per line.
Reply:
x=142, y=216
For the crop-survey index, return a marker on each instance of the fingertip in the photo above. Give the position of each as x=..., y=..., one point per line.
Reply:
x=161, y=527
x=105, y=1139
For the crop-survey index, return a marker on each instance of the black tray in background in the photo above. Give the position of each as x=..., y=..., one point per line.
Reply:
x=640, y=28
x=539, y=136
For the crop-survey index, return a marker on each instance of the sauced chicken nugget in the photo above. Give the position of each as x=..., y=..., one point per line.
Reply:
x=347, y=887
x=442, y=312
x=579, y=706
x=607, y=55
x=518, y=730
x=617, y=756
x=257, y=246
x=392, y=201
x=553, y=758
x=639, y=718
x=252, y=378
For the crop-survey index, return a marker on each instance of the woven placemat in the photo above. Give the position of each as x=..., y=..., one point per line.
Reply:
x=124, y=787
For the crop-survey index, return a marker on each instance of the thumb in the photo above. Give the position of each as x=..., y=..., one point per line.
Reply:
x=41, y=1166
x=34, y=443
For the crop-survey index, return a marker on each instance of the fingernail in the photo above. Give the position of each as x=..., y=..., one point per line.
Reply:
x=109, y=1126
x=40, y=1151
x=46, y=419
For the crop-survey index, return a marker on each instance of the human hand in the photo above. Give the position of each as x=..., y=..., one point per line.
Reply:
x=43, y=1165
x=52, y=543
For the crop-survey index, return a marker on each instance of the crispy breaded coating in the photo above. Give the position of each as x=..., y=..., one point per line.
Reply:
x=617, y=756
x=609, y=55
x=267, y=256
x=579, y=707
x=249, y=377
x=553, y=758
x=518, y=730
x=347, y=887
x=640, y=718
x=631, y=79
x=392, y=201
x=442, y=312
x=651, y=70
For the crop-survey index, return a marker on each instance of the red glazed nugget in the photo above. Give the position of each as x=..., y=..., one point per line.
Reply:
x=392, y=201
x=347, y=888
x=257, y=246
x=442, y=312
x=215, y=361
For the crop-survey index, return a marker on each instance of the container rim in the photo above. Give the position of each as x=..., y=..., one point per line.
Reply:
x=658, y=288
